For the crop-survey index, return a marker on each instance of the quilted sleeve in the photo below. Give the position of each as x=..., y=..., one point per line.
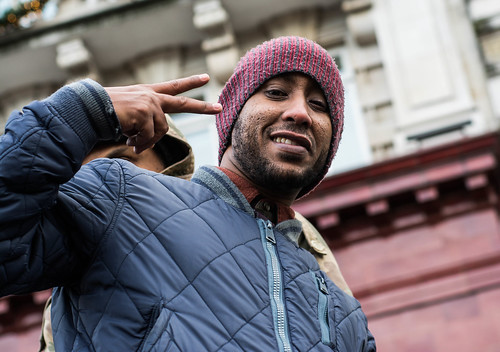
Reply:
x=370, y=344
x=42, y=148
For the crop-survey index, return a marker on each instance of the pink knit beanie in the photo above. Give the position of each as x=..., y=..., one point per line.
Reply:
x=274, y=57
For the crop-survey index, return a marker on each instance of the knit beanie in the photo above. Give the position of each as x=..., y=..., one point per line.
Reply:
x=272, y=58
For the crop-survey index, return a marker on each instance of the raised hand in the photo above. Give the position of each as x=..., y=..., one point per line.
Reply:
x=141, y=108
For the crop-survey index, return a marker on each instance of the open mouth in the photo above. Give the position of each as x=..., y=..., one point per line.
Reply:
x=284, y=141
x=290, y=138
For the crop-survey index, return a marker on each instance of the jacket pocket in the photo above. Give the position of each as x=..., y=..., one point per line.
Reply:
x=158, y=328
x=323, y=299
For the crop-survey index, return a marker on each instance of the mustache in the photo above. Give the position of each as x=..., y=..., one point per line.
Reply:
x=292, y=127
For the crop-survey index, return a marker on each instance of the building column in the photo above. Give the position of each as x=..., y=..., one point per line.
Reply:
x=221, y=51
x=370, y=76
x=76, y=60
x=433, y=93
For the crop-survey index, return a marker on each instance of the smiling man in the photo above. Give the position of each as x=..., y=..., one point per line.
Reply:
x=146, y=262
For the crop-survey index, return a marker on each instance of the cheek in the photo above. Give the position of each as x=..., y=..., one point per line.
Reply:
x=250, y=123
x=150, y=161
x=324, y=133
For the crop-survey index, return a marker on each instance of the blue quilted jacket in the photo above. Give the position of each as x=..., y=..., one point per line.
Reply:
x=147, y=262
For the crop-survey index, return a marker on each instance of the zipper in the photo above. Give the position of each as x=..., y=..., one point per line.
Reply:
x=157, y=326
x=323, y=308
x=275, y=286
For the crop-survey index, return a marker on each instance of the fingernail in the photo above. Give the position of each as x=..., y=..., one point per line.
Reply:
x=204, y=76
x=217, y=106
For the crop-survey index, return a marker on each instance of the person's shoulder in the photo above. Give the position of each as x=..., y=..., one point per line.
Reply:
x=103, y=166
x=96, y=175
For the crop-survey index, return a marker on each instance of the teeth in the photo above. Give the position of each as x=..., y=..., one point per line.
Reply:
x=284, y=141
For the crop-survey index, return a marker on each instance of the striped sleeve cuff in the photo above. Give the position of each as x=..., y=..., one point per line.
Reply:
x=99, y=107
x=87, y=108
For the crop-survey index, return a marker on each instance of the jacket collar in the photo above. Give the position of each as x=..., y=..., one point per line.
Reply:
x=220, y=184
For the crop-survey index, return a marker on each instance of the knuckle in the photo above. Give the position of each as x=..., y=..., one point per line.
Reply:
x=183, y=101
x=175, y=84
x=141, y=109
x=140, y=113
x=163, y=126
x=158, y=135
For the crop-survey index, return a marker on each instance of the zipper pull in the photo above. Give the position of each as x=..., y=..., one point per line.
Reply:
x=269, y=232
x=322, y=284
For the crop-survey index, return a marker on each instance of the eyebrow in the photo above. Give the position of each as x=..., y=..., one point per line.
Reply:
x=289, y=78
x=118, y=152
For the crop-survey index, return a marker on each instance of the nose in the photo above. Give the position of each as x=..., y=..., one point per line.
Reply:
x=297, y=111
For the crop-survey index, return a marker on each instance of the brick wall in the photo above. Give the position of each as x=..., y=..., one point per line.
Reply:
x=418, y=241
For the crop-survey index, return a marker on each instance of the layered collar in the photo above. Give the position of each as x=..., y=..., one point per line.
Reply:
x=237, y=192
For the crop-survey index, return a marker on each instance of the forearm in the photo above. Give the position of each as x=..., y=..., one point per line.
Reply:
x=42, y=148
x=54, y=135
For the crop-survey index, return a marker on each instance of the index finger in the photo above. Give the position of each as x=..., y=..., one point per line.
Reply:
x=180, y=85
x=180, y=104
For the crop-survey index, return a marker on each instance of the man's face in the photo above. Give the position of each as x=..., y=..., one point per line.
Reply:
x=282, y=136
x=148, y=159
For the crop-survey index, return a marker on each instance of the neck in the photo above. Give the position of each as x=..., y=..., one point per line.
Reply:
x=286, y=198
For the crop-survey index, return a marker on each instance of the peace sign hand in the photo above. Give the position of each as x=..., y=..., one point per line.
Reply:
x=141, y=108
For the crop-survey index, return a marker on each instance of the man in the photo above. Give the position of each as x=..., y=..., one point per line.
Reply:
x=172, y=155
x=147, y=262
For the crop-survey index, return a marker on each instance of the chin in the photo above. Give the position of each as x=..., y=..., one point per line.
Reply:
x=285, y=178
x=281, y=172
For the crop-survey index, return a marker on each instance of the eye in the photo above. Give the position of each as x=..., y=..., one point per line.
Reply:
x=274, y=93
x=318, y=105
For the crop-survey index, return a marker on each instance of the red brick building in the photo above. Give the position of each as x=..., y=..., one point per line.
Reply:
x=418, y=240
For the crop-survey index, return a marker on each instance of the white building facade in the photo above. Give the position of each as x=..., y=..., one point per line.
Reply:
x=416, y=72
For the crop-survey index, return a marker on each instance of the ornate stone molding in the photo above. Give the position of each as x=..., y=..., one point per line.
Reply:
x=220, y=47
x=360, y=21
x=75, y=58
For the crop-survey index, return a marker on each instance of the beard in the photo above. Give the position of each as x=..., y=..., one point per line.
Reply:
x=265, y=173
